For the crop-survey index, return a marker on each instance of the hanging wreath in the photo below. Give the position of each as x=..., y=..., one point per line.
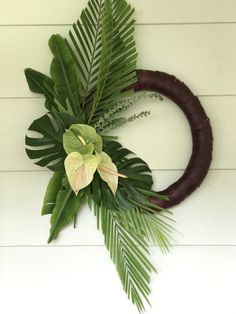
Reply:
x=93, y=81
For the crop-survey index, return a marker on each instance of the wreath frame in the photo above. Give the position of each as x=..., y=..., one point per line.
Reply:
x=201, y=130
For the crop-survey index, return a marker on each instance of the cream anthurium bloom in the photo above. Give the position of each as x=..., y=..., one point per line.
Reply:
x=82, y=138
x=80, y=170
x=108, y=171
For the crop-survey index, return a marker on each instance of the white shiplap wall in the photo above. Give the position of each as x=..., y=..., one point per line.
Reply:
x=196, y=41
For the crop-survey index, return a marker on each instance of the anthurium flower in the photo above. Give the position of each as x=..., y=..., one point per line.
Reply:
x=108, y=171
x=80, y=170
x=82, y=138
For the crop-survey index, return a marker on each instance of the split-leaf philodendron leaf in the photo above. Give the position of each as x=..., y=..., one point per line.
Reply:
x=91, y=72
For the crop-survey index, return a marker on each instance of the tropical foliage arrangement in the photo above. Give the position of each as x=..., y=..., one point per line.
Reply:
x=86, y=96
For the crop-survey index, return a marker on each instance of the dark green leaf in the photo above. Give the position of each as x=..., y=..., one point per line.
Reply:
x=52, y=191
x=39, y=83
x=48, y=148
x=67, y=205
x=63, y=73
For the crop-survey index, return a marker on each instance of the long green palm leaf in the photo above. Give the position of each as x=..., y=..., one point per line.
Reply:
x=103, y=47
x=129, y=251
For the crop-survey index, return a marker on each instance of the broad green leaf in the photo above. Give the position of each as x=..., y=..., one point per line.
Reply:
x=37, y=82
x=52, y=191
x=67, y=205
x=63, y=73
x=80, y=171
x=83, y=139
x=108, y=171
x=42, y=84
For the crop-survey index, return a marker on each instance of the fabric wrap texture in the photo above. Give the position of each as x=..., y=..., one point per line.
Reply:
x=201, y=130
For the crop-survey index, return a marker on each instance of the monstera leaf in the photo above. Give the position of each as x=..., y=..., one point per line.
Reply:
x=48, y=148
x=134, y=184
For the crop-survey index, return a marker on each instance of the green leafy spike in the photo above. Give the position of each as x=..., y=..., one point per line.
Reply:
x=53, y=188
x=63, y=72
x=66, y=207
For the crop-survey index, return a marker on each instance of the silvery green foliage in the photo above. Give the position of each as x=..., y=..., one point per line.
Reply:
x=113, y=119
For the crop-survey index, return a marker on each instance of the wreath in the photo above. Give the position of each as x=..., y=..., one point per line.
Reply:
x=93, y=81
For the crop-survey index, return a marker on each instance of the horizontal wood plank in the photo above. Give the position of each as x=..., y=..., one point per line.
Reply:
x=201, y=55
x=165, y=11
x=66, y=280
x=162, y=139
x=199, y=219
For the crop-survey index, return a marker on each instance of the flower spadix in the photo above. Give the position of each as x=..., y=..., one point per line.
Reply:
x=80, y=170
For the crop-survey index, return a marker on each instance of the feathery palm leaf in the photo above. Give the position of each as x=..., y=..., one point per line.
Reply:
x=129, y=221
x=126, y=235
x=104, y=51
x=128, y=251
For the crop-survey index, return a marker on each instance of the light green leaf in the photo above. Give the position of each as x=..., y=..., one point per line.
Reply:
x=53, y=188
x=83, y=139
x=80, y=171
x=108, y=171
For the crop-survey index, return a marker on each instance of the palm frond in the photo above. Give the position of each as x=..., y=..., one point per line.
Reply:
x=103, y=47
x=128, y=251
x=126, y=236
x=129, y=221
x=86, y=46
x=123, y=58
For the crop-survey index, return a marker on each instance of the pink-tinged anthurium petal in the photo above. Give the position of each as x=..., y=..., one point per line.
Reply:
x=80, y=171
x=108, y=171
